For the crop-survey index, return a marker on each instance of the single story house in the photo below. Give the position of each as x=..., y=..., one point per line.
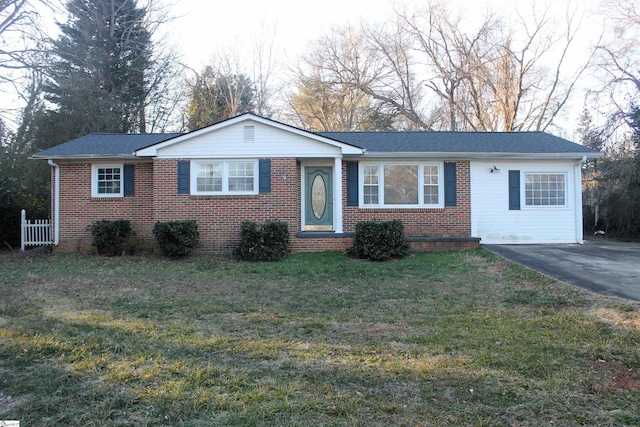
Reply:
x=447, y=187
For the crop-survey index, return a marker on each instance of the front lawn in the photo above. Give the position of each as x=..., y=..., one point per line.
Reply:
x=459, y=338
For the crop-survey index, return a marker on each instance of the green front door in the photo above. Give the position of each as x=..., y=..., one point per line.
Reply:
x=319, y=198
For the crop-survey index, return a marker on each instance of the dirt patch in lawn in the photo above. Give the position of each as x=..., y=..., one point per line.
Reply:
x=614, y=377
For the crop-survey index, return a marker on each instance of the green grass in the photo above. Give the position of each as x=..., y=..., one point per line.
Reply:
x=459, y=338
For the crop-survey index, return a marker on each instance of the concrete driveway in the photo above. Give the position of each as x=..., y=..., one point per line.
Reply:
x=609, y=268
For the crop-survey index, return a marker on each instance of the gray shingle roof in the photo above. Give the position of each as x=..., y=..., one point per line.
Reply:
x=104, y=145
x=459, y=142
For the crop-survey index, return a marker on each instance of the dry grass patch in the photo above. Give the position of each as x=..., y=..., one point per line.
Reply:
x=319, y=339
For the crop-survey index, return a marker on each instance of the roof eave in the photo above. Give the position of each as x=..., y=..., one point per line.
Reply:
x=486, y=155
x=86, y=157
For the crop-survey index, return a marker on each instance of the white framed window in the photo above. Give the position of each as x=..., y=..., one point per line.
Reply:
x=401, y=184
x=545, y=189
x=370, y=184
x=107, y=180
x=431, y=185
x=216, y=177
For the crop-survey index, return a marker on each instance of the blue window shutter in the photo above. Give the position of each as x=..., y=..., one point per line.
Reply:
x=352, y=183
x=450, y=184
x=184, y=170
x=264, y=175
x=129, y=180
x=514, y=190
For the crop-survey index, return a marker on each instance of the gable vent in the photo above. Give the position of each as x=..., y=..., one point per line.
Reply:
x=249, y=133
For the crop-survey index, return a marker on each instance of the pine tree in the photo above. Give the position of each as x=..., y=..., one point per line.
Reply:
x=98, y=81
x=216, y=96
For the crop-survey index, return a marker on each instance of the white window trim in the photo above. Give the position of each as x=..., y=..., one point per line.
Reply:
x=420, y=205
x=225, y=177
x=523, y=190
x=94, y=180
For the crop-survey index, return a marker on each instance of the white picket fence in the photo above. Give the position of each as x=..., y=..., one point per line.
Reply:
x=34, y=233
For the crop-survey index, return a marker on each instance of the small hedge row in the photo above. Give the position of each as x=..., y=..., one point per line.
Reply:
x=175, y=239
x=374, y=240
x=379, y=241
x=266, y=242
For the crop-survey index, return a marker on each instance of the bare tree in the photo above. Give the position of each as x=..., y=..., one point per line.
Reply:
x=488, y=76
x=452, y=61
x=368, y=68
x=494, y=76
x=322, y=106
x=264, y=68
x=15, y=15
x=331, y=91
x=22, y=47
x=165, y=99
x=396, y=84
x=618, y=61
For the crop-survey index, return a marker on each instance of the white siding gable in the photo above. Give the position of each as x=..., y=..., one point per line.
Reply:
x=229, y=142
x=494, y=223
x=249, y=139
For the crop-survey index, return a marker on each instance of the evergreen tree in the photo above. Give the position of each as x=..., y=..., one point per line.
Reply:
x=98, y=80
x=589, y=135
x=216, y=96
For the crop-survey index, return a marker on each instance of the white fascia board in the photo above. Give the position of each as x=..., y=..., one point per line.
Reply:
x=152, y=150
x=473, y=155
x=108, y=157
x=253, y=156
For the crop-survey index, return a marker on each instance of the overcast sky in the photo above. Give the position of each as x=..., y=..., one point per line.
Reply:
x=203, y=25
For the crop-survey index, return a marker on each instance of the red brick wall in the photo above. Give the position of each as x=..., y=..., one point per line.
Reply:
x=78, y=209
x=320, y=244
x=448, y=221
x=219, y=217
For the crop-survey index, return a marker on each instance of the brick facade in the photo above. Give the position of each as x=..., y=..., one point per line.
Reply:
x=219, y=217
x=78, y=208
x=447, y=221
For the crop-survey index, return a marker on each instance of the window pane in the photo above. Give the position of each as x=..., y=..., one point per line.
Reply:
x=241, y=176
x=109, y=180
x=545, y=189
x=240, y=184
x=430, y=194
x=401, y=184
x=208, y=170
x=370, y=195
x=240, y=169
x=371, y=188
x=209, y=177
x=226, y=176
x=430, y=191
x=209, y=184
x=371, y=170
x=431, y=175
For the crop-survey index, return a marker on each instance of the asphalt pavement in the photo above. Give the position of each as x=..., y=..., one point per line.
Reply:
x=599, y=265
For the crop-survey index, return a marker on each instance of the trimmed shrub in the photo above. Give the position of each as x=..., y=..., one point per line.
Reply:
x=266, y=242
x=109, y=236
x=176, y=238
x=379, y=241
